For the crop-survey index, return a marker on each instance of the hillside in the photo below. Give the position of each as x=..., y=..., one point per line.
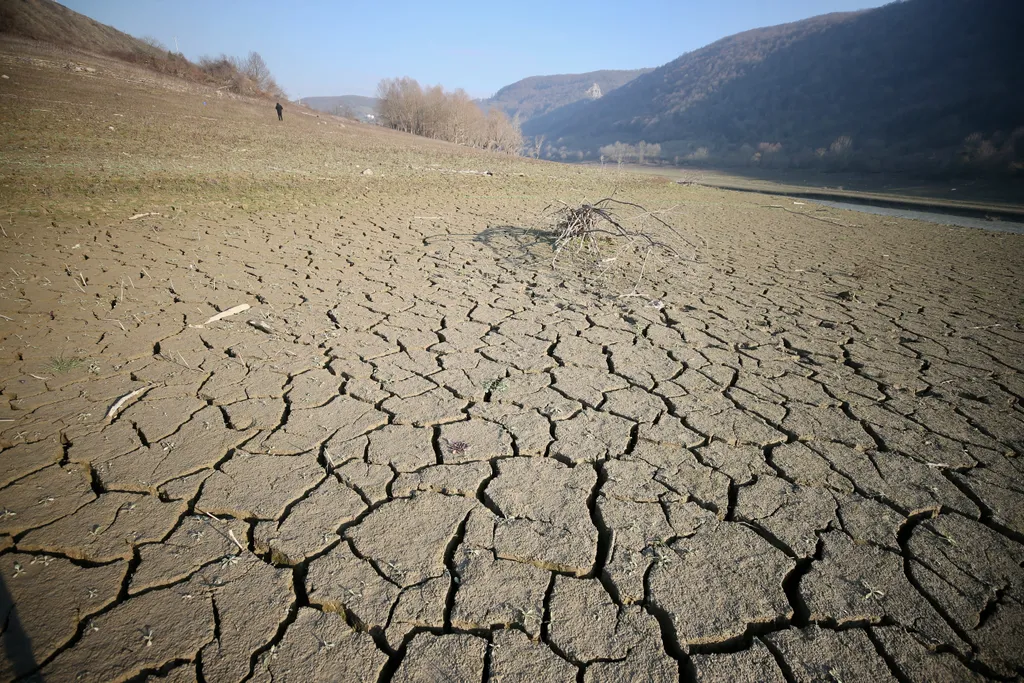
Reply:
x=50, y=22
x=907, y=83
x=537, y=95
x=358, y=105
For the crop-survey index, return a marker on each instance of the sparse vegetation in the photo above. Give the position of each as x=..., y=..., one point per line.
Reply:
x=60, y=365
x=250, y=76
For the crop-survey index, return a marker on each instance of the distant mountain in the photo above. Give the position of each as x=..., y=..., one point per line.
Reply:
x=356, y=105
x=51, y=22
x=537, y=95
x=919, y=84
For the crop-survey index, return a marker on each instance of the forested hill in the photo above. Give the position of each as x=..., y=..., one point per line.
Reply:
x=910, y=85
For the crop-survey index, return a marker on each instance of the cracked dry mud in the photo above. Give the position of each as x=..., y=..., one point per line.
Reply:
x=436, y=457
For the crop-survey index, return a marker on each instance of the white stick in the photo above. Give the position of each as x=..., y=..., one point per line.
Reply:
x=121, y=401
x=231, y=533
x=139, y=215
x=224, y=314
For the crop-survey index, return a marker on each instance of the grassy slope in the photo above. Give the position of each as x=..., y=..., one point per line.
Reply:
x=79, y=142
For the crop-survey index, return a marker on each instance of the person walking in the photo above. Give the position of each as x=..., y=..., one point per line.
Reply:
x=279, y=109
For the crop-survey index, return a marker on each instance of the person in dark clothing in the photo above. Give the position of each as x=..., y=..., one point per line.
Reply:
x=279, y=109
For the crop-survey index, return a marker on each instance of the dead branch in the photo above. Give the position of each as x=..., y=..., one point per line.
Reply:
x=578, y=227
x=616, y=235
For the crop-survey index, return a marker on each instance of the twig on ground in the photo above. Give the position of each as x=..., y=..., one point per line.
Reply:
x=638, y=280
x=231, y=533
x=121, y=401
x=224, y=314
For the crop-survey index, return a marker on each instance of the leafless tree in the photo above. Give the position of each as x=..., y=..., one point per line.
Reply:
x=154, y=43
x=255, y=68
x=618, y=152
x=463, y=115
x=841, y=146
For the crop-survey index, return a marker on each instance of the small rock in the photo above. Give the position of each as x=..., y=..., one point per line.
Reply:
x=368, y=171
x=5, y=77
x=110, y=128
x=261, y=326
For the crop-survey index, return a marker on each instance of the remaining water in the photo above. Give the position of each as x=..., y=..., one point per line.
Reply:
x=930, y=217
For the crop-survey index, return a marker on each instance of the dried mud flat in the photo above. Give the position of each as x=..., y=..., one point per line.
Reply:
x=425, y=454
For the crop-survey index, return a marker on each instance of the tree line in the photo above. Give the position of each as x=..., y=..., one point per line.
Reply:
x=640, y=152
x=453, y=116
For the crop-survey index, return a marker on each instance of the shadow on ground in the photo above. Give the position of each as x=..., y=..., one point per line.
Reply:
x=16, y=645
x=512, y=244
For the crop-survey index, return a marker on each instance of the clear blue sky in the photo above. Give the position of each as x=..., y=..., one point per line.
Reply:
x=345, y=48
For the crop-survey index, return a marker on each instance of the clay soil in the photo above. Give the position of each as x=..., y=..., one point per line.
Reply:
x=432, y=451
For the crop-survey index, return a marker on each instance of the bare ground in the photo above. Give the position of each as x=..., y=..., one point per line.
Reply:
x=428, y=452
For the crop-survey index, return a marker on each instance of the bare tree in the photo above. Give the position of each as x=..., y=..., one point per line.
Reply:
x=434, y=115
x=154, y=43
x=653, y=151
x=388, y=106
x=618, y=152
x=841, y=146
x=254, y=68
x=462, y=117
x=503, y=134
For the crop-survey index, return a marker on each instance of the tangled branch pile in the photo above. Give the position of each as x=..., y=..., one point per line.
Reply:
x=579, y=227
x=599, y=238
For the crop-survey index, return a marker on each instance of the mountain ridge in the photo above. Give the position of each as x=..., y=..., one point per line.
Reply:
x=906, y=85
x=535, y=95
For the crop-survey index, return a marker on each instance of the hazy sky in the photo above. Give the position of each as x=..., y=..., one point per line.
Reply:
x=341, y=48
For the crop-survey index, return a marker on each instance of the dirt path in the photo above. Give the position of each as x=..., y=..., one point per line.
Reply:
x=425, y=454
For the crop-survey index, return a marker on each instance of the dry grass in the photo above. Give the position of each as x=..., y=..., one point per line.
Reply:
x=60, y=365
